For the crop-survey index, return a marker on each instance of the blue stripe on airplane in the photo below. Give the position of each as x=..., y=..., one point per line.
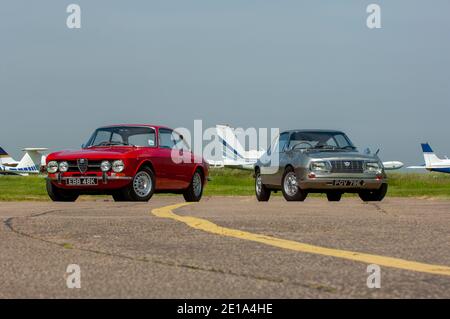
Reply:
x=230, y=148
x=441, y=170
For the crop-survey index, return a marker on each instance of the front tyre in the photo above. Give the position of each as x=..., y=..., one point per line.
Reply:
x=374, y=195
x=195, y=190
x=141, y=188
x=262, y=192
x=57, y=194
x=289, y=186
x=334, y=196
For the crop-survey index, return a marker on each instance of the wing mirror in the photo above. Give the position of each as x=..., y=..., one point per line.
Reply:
x=83, y=145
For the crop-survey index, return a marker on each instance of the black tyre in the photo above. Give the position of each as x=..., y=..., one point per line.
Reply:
x=289, y=186
x=141, y=188
x=195, y=190
x=262, y=192
x=374, y=195
x=61, y=195
x=334, y=196
x=119, y=196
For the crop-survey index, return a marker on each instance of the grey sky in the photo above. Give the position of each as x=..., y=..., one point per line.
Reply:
x=287, y=64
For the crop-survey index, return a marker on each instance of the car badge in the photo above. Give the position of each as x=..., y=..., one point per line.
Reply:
x=347, y=164
x=82, y=165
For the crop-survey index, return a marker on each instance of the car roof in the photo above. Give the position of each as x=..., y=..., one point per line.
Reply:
x=313, y=131
x=137, y=125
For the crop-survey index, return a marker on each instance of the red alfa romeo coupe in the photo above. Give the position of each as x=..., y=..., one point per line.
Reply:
x=129, y=162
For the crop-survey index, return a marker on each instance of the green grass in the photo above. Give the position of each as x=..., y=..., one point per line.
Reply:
x=238, y=182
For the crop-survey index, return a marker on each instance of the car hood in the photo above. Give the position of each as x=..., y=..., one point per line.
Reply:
x=92, y=153
x=341, y=155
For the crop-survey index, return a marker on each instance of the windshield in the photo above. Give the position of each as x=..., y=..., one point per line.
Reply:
x=123, y=135
x=320, y=140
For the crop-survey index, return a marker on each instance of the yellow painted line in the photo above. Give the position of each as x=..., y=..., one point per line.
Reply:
x=207, y=226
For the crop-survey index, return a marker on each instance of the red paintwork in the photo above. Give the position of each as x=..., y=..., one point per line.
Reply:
x=169, y=175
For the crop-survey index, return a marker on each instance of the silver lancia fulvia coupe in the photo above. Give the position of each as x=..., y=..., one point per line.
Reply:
x=300, y=162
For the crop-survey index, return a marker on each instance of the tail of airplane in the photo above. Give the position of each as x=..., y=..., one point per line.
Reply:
x=233, y=150
x=429, y=156
x=5, y=158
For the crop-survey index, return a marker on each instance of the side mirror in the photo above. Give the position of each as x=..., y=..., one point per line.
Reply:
x=367, y=151
x=83, y=145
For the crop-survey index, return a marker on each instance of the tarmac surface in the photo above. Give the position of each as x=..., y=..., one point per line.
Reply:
x=222, y=248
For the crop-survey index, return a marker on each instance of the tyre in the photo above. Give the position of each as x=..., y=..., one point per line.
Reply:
x=262, y=192
x=334, y=196
x=119, y=197
x=374, y=195
x=141, y=188
x=57, y=194
x=195, y=190
x=289, y=186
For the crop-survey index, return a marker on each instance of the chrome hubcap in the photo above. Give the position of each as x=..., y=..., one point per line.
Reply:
x=258, y=184
x=197, y=184
x=142, y=184
x=290, y=184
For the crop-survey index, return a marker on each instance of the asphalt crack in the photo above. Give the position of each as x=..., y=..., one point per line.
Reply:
x=309, y=285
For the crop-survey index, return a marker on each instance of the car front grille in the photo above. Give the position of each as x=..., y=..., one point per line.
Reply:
x=92, y=166
x=347, y=166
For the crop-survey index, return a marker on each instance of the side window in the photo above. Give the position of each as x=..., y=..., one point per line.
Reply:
x=284, y=138
x=179, y=142
x=165, y=138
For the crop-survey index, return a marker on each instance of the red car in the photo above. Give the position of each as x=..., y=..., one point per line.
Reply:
x=129, y=162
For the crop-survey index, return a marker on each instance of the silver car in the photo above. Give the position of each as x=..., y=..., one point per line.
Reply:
x=318, y=161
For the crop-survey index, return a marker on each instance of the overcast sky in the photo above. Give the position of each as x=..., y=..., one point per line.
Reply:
x=286, y=64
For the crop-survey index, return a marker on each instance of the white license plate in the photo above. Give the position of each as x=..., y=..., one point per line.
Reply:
x=82, y=181
x=348, y=183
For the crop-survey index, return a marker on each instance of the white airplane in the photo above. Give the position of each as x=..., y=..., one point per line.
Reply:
x=30, y=163
x=432, y=162
x=234, y=155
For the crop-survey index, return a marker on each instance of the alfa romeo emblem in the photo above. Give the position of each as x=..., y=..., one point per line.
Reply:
x=82, y=165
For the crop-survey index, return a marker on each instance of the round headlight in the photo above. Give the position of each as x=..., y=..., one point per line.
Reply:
x=320, y=166
x=63, y=167
x=52, y=167
x=373, y=167
x=105, y=166
x=118, y=166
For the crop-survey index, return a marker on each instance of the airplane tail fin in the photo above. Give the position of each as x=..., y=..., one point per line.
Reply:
x=232, y=148
x=32, y=160
x=429, y=156
x=5, y=158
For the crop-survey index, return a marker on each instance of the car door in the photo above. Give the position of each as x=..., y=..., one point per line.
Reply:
x=272, y=170
x=171, y=170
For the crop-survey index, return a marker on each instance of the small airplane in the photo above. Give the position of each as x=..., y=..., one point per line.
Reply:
x=30, y=163
x=234, y=155
x=432, y=162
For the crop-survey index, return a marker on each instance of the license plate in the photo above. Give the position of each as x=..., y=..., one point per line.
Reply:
x=81, y=181
x=348, y=183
